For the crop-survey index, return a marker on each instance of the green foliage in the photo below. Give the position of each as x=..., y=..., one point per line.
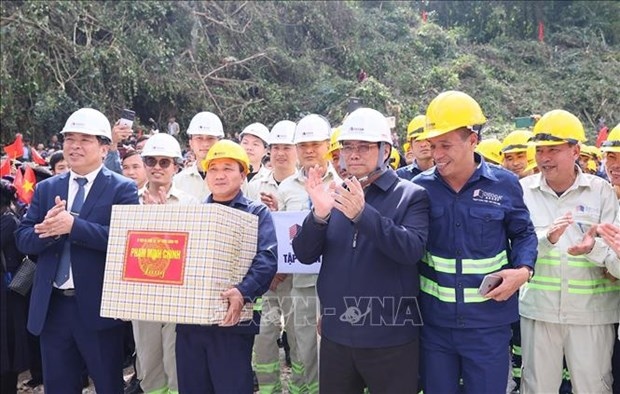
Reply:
x=266, y=61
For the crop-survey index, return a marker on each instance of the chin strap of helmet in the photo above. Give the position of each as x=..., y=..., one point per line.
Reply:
x=478, y=130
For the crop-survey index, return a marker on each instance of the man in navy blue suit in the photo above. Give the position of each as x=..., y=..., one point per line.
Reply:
x=67, y=226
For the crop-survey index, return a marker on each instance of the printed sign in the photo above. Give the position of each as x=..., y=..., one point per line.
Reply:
x=155, y=257
x=287, y=225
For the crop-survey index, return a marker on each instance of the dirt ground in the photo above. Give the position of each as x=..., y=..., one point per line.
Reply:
x=128, y=372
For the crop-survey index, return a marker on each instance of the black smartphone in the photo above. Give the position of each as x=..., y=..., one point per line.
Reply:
x=127, y=117
x=353, y=104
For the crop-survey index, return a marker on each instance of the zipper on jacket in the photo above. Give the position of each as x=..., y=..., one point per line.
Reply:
x=355, y=239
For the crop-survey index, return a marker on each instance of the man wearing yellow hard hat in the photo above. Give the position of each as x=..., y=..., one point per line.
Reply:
x=217, y=358
x=491, y=150
x=518, y=156
x=480, y=234
x=610, y=232
x=569, y=308
x=586, y=155
x=333, y=153
x=611, y=153
x=422, y=159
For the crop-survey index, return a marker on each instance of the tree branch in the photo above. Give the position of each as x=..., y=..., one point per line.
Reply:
x=238, y=62
x=204, y=85
x=224, y=24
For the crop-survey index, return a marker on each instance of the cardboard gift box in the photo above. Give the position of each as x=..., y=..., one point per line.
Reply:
x=170, y=263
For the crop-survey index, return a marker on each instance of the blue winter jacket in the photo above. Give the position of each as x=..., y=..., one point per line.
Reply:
x=368, y=283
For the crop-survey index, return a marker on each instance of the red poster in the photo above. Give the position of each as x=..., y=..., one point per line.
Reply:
x=155, y=257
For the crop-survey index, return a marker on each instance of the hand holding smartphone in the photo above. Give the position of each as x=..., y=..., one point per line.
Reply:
x=489, y=282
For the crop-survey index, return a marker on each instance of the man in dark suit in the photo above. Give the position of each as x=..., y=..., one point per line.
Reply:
x=67, y=226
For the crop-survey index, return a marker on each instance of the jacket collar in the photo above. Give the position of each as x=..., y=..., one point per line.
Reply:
x=239, y=201
x=386, y=180
x=580, y=181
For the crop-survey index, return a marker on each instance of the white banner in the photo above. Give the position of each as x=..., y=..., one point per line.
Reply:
x=287, y=225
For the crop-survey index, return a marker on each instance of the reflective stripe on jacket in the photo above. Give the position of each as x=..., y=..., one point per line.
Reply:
x=482, y=229
x=571, y=289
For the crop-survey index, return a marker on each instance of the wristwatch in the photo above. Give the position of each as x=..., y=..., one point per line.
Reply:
x=530, y=269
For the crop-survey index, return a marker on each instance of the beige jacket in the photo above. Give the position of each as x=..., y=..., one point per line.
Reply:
x=570, y=289
x=190, y=181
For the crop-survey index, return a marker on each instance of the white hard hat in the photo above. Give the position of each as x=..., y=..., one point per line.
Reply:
x=282, y=132
x=162, y=144
x=206, y=123
x=88, y=121
x=312, y=128
x=366, y=124
x=258, y=130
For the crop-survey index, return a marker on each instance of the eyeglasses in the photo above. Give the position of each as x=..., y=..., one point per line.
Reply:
x=152, y=162
x=362, y=149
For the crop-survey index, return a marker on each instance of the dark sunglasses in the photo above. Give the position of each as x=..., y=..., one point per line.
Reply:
x=152, y=162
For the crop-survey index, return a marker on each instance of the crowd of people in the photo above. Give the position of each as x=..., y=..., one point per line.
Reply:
x=459, y=264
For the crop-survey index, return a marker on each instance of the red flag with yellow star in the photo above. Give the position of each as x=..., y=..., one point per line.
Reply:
x=25, y=184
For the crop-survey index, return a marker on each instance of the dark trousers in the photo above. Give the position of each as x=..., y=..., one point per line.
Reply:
x=8, y=383
x=615, y=365
x=477, y=355
x=34, y=348
x=345, y=369
x=214, y=361
x=67, y=345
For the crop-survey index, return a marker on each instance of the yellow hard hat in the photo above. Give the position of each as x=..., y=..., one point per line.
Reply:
x=416, y=127
x=394, y=158
x=558, y=127
x=406, y=147
x=490, y=149
x=531, y=158
x=226, y=149
x=334, y=144
x=449, y=111
x=612, y=144
x=589, y=150
x=516, y=141
x=591, y=165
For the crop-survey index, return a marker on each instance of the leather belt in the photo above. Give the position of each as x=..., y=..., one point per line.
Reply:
x=63, y=292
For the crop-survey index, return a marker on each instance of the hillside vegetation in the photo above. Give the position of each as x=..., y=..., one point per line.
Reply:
x=267, y=61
